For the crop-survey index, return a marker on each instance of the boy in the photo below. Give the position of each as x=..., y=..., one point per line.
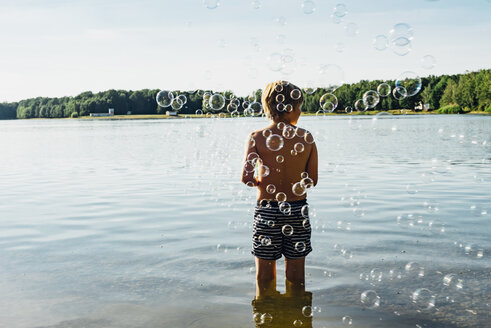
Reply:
x=281, y=161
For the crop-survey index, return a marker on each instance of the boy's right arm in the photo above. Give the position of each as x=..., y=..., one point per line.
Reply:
x=247, y=167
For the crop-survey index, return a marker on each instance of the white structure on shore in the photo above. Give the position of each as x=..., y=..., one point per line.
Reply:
x=109, y=113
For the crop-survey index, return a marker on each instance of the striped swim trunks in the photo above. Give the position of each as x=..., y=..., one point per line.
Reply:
x=281, y=229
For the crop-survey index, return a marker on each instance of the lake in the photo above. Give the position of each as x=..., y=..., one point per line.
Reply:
x=145, y=223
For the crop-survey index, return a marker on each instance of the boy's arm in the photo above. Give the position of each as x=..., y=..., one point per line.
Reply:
x=312, y=164
x=248, y=167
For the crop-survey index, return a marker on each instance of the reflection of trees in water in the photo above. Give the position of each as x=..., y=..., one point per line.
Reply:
x=283, y=310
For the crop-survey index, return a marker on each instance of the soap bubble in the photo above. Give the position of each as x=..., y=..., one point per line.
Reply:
x=307, y=311
x=216, y=102
x=295, y=94
x=281, y=197
x=275, y=62
x=293, y=152
x=287, y=230
x=200, y=112
x=299, y=147
x=410, y=81
x=370, y=299
x=266, y=241
x=371, y=99
x=307, y=183
x=328, y=102
x=280, y=98
x=423, y=298
x=336, y=19
x=360, y=106
x=183, y=99
x=298, y=189
x=176, y=104
x=401, y=30
x=211, y=4
x=299, y=132
x=288, y=132
x=351, y=29
x=285, y=208
x=305, y=211
x=280, y=159
x=450, y=280
x=263, y=171
x=380, y=42
x=308, y=7
x=274, y=142
x=339, y=47
x=300, y=246
x=281, y=21
x=271, y=189
x=399, y=93
x=255, y=108
x=308, y=138
x=340, y=10
x=347, y=321
x=266, y=133
x=297, y=323
x=331, y=76
x=414, y=270
x=383, y=89
x=164, y=98
x=401, y=46
x=256, y=4
x=376, y=275
x=428, y=62
x=348, y=109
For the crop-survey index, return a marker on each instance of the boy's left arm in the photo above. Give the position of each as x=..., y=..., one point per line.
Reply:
x=248, y=167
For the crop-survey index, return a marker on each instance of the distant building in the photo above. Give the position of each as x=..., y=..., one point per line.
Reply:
x=109, y=113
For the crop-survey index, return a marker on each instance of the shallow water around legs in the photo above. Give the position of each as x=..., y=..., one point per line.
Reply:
x=145, y=223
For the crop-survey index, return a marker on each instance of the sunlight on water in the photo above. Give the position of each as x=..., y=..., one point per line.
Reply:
x=146, y=223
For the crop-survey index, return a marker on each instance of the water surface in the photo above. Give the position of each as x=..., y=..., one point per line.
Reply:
x=145, y=223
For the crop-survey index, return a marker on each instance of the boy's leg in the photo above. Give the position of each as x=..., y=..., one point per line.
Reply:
x=265, y=277
x=295, y=275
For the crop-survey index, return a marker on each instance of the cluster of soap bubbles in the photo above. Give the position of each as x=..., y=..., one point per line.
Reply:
x=172, y=100
x=399, y=39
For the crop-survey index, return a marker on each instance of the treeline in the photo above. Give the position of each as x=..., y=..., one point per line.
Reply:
x=456, y=93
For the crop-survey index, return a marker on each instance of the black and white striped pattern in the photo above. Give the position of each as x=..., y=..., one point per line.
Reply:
x=268, y=240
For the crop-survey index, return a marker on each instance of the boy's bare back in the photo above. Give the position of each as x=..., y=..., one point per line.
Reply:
x=289, y=169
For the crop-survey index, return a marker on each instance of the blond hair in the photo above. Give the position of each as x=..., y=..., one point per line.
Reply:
x=278, y=95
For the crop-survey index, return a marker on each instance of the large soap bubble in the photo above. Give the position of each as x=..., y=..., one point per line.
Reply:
x=410, y=81
x=308, y=7
x=331, y=76
x=164, y=98
x=371, y=98
x=217, y=102
x=383, y=89
x=380, y=42
x=211, y=4
x=428, y=62
x=328, y=102
x=400, y=37
x=274, y=142
x=370, y=299
x=340, y=10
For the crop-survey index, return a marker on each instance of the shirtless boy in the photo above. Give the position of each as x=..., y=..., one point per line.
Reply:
x=281, y=161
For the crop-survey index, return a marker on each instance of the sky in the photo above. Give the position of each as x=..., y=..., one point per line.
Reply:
x=55, y=48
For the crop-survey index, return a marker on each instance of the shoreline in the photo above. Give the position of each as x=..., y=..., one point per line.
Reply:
x=395, y=112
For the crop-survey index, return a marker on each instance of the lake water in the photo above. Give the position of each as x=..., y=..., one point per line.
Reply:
x=145, y=223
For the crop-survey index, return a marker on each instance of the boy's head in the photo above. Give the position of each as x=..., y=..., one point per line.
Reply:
x=282, y=101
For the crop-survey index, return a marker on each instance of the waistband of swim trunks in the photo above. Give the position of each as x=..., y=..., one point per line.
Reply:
x=263, y=202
